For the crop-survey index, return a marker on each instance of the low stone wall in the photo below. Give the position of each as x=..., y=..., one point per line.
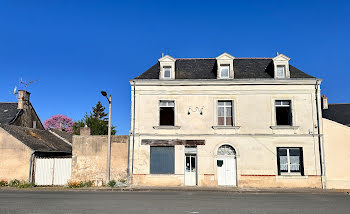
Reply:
x=89, y=159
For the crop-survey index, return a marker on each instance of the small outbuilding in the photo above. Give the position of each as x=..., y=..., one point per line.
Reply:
x=42, y=157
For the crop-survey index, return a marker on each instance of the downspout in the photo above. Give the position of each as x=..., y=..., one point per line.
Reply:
x=30, y=178
x=320, y=139
x=133, y=133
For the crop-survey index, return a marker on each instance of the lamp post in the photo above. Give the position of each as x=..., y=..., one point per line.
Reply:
x=108, y=171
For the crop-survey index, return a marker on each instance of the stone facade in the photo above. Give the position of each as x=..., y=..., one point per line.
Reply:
x=90, y=158
x=15, y=158
x=337, y=157
x=255, y=136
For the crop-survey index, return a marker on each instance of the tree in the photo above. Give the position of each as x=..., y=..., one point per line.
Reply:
x=96, y=121
x=60, y=122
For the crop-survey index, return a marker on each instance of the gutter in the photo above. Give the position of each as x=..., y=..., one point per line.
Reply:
x=133, y=133
x=320, y=139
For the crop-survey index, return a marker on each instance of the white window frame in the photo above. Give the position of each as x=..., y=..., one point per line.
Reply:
x=288, y=161
x=284, y=71
x=228, y=71
x=166, y=68
x=284, y=105
x=159, y=106
x=225, y=106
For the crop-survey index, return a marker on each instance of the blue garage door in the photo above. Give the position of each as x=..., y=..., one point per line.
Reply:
x=162, y=160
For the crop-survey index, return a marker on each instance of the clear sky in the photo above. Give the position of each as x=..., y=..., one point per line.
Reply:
x=78, y=48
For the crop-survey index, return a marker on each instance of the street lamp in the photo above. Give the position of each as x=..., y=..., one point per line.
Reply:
x=108, y=171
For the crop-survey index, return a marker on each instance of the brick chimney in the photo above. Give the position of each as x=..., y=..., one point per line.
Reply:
x=324, y=102
x=23, y=99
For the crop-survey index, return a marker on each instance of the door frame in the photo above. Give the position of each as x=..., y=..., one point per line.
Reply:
x=217, y=157
x=195, y=154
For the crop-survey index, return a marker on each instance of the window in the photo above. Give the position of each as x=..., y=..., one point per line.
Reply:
x=290, y=161
x=224, y=71
x=281, y=73
x=162, y=160
x=166, y=113
x=167, y=72
x=225, y=113
x=283, y=112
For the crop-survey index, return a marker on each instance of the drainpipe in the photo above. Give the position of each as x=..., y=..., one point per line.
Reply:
x=320, y=139
x=31, y=167
x=133, y=133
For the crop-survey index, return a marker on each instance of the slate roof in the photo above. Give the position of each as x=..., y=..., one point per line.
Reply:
x=8, y=112
x=67, y=136
x=339, y=113
x=244, y=68
x=38, y=140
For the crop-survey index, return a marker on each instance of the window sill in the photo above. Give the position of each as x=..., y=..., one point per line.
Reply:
x=166, y=127
x=291, y=176
x=284, y=127
x=226, y=127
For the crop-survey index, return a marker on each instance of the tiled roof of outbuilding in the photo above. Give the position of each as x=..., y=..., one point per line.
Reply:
x=339, y=113
x=38, y=140
x=8, y=112
x=244, y=68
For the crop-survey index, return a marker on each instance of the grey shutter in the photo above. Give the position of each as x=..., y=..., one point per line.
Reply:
x=162, y=160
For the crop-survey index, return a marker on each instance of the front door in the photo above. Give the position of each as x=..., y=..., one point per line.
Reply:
x=190, y=169
x=226, y=166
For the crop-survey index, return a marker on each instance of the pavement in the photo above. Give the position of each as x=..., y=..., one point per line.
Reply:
x=157, y=202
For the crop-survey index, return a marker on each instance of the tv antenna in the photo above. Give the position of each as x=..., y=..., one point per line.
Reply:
x=25, y=84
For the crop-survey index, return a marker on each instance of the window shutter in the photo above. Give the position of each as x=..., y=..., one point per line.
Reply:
x=278, y=162
x=301, y=162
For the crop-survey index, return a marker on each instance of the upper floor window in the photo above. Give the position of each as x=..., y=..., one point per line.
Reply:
x=166, y=113
x=225, y=113
x=283, y=112
x=290, y=161
x=224, y=71
x=167, y=72
x=281, y=71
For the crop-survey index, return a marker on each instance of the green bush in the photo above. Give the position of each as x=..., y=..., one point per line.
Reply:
x=14, y=183
x=25, y=184
x=88, y=184
x=3, y=183
x=122, y=180
x=112, y=183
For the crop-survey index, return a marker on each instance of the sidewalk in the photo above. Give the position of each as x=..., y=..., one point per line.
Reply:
x=189, y=189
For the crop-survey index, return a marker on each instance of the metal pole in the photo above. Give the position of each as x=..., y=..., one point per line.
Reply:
x=108, y=173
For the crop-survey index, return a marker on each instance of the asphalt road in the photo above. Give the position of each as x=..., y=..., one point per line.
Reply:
x=171, y=202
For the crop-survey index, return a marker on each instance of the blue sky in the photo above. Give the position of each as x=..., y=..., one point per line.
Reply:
x=78, y=48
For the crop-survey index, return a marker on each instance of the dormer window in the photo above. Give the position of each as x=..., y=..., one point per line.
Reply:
x=167, y=72
x=224, y=71
x=281, y=71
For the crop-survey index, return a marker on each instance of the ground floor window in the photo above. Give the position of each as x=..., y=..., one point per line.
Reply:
x=290, y=161
x=162, y=160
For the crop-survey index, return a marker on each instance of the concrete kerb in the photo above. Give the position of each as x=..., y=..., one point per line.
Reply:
x=179, y=189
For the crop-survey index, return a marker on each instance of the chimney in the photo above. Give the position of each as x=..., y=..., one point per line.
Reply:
x=85, y=131
x=23, y=99
x=324, y=102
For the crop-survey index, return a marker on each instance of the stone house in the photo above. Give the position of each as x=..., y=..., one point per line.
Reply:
x=336, y=123
x=21, y=113
x=226, y=121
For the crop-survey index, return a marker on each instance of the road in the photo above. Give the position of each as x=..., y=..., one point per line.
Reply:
x=171, y=202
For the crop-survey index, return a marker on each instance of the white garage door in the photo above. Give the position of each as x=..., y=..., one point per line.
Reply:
x=52, y=171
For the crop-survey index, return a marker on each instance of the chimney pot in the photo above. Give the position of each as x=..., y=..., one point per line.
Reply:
x=324, y=102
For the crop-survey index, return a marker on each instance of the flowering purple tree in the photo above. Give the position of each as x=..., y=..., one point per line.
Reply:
x=61, y=122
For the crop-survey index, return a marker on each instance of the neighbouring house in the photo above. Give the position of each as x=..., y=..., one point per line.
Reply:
x=226, y=121
x=336, y=123
x=89, y=160
x=21, y=113
x=39, y=156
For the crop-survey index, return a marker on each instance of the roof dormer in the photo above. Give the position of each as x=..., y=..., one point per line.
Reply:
x=167, y=68
x=281, y=66
x=225, y=66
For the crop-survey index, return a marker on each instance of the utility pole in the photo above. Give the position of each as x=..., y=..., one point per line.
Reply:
x=108, y=170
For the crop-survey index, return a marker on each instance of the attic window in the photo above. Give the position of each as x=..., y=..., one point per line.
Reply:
x=224, y=71
x=167, y=72
x=281, y=71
